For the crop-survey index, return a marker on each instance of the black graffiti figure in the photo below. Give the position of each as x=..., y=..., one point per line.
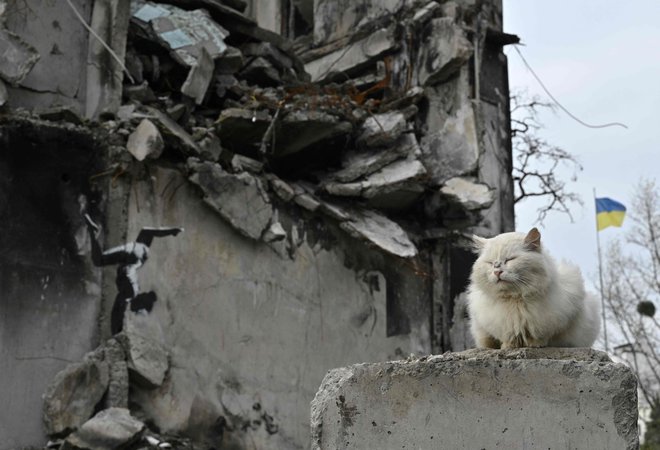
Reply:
x=129, y=258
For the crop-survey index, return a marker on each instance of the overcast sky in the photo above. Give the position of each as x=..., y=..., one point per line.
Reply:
x=601, y=60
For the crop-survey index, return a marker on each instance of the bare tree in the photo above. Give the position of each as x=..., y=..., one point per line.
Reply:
x=535, y=161
x=631, y=289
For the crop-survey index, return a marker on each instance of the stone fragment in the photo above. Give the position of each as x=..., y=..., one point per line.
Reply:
x=17, y=57
x=199, y=77
x=268, y=51
x=261, y=72
x=469, y=194
x=274, y=233
x=300, y=130
x=183, y=33
x=242, y=163
x=145, y=141
x=358, y=163
x=380, y=231
x=74, y=393
x=382, y=129
x=240, y=199
x=454, y=149
x=578, y=398
x=444, y=50
x=281, y=188
x=210, y=146
x=400, y=175
x=110, y=429
x=238, y=127
x=125, y=112
x=144, y=346
x=307, y=201
x=353, y=57
x=173, y=133
x=230, y=62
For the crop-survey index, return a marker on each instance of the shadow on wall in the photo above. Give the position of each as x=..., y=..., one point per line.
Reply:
x=49, y=295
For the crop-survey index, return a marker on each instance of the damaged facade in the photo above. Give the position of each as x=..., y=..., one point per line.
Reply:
x=326, y=159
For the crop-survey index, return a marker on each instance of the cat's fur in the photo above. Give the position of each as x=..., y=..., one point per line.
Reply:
x=520, y=297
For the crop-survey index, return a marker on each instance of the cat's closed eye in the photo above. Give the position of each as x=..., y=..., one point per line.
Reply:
x=509, y=259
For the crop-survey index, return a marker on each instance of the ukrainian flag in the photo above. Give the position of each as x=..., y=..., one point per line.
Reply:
x=609, y=213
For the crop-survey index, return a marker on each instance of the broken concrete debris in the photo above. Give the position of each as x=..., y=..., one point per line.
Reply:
x=74, y=393
x=109, y=429
x=241, y=199
x=145, y=141
x=472, y=195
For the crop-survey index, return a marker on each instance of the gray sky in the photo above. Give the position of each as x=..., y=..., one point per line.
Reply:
x=601, y=60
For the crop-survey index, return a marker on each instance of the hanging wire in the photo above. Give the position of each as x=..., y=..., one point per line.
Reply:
x=606, y=125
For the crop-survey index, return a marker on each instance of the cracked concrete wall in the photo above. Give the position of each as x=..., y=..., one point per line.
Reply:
x=249, y=326
x=73, y=69
x=49, y=294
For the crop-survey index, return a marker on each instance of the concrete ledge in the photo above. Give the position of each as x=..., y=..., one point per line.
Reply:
x=480, y=399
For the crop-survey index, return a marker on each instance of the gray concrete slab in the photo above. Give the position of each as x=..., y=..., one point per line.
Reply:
x=480, y=399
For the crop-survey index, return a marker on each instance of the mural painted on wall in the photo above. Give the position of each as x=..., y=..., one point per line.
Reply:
x=128, y=258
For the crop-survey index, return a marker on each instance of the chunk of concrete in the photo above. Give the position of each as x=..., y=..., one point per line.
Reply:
x=469, y=194
x=230, y=62
x=145, y=141
x=270, y=52
x=443, y=52
x=454, y=149
x=237, y=127
x=353, y=57
x=173, y=133
x=17, y=57
x=110, y=429
x=362, y=162
x=183, y=33
x=548, y=398
x=401, y=174
x=144, y=346
x=199, y=77
x=299, y=130
x=70, y=399
x=261, y=72
x=382, y=129
x=380, y=231
x=240, y=199
x=242, y=163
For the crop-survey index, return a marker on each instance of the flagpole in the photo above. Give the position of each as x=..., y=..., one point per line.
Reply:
x=600, y=274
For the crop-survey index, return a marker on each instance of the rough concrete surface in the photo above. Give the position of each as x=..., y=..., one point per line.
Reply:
x=480, y=399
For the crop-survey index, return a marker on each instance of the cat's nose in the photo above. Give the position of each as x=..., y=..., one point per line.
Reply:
x=497, y=273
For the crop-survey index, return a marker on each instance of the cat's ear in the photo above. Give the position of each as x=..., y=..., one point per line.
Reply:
x=533, y=240
x=478, y=243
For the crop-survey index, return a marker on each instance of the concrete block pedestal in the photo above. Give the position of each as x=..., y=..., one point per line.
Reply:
x=551, y=398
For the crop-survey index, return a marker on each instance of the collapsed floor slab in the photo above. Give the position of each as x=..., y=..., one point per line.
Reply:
x=545, y=398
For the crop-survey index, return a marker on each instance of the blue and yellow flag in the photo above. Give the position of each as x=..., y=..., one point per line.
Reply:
x=609, y=213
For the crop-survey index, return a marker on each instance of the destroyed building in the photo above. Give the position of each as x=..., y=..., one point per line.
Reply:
x=327, y=160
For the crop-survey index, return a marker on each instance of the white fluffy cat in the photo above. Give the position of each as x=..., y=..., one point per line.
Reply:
x=520, y=297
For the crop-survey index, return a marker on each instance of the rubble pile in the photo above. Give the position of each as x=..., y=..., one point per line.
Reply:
x=342, y=131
